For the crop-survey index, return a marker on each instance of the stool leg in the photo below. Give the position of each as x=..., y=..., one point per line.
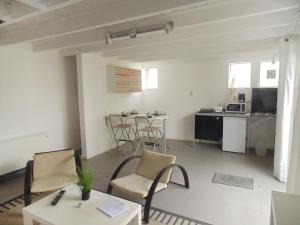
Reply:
x=128, y=136
x=140, y=140
x=115, y=136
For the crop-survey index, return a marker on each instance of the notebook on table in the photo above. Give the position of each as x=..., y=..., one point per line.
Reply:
x=112, y=208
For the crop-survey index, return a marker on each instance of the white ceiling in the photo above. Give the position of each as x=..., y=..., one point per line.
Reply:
x=11, y=10
x=202, y=28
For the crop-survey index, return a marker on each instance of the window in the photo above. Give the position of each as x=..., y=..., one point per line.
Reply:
x=269, y=73
x=149, y=78
x=239, y=75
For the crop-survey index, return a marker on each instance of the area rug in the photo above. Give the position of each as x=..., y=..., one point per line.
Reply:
x=11, y=214
x=231, y=180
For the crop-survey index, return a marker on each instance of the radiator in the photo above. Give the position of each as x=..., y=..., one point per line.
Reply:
x=16, y=151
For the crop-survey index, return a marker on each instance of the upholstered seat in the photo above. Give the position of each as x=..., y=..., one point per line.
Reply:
x=152, y=175
x=50, y=183
x=136, y=185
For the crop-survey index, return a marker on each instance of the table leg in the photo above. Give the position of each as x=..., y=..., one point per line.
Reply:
x=164, y=135
x=137, y=220
x=27, y=219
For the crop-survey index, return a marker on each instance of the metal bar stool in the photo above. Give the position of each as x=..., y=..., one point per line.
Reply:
x=145, y=125
x=121, y=129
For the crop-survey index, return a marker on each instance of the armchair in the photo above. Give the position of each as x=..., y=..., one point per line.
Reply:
x=152, y=175
x=49, y=171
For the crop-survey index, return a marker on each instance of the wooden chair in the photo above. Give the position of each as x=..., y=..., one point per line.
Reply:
x=152, y=175
x=119, y=125
x=49, y=171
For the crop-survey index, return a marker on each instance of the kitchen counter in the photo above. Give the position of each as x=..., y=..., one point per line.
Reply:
x=231, y=130
x=243, y=115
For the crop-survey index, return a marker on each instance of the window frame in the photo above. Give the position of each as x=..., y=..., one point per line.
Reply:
x=229, y=74
x=146, y=69
x=259, y=75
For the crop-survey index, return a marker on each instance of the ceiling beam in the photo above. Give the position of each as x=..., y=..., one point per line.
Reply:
x=37, y=4
x=194, y=27
x=262, y=53
x=238, y=36
x=97, y=13
x=263, y=44
x=4, y=12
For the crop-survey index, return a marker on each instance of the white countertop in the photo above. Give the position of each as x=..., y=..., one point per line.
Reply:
x=224, y=114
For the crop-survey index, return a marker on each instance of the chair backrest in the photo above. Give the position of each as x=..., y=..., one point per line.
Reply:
x=152, y=163
x=54, y=163
x=142, y=121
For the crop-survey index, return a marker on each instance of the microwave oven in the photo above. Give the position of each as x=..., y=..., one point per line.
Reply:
x=236, y=108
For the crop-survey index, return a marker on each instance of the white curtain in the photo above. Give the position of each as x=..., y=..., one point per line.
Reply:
x=287, y=97
x=293, y=185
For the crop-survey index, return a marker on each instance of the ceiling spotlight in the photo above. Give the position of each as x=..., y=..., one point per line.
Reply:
x=132, y=32
x=168, y=26
x=108, y=38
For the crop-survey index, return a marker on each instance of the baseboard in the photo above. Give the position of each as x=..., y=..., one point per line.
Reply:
x=183, y=139
x=12, y=175
x=195, y=140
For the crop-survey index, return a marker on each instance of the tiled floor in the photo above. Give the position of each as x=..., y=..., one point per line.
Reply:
x=213, y=203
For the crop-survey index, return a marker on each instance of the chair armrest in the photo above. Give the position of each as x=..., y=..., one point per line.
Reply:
x=28, y=177
x=156, y=181
x=115, y=174
x=163, y=171
x=77, y=160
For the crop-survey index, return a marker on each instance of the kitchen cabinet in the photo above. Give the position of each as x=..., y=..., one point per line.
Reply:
x=208, y=128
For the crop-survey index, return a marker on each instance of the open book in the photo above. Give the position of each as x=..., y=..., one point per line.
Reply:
x=112, y=207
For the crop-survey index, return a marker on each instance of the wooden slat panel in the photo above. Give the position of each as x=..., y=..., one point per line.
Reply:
x=126, y=80
x=122, y=80
x=135, y=80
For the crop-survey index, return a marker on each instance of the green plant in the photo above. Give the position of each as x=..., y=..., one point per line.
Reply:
x=85, y=179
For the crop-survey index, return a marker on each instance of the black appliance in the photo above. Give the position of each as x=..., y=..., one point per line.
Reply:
x=264, y=100
x=241, y=97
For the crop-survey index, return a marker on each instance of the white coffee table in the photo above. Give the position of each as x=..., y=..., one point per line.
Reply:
x=65, y=212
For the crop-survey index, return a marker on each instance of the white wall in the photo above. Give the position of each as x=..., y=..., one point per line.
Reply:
x=96, y=103
x=185, y=87
x=38, y=93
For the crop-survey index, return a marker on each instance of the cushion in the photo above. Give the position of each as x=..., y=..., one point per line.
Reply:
x=135, y=185
x=152, y=162
x=54, y=163
x=50, y=183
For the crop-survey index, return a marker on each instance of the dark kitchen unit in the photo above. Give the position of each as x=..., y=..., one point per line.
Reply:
x=209, y=128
